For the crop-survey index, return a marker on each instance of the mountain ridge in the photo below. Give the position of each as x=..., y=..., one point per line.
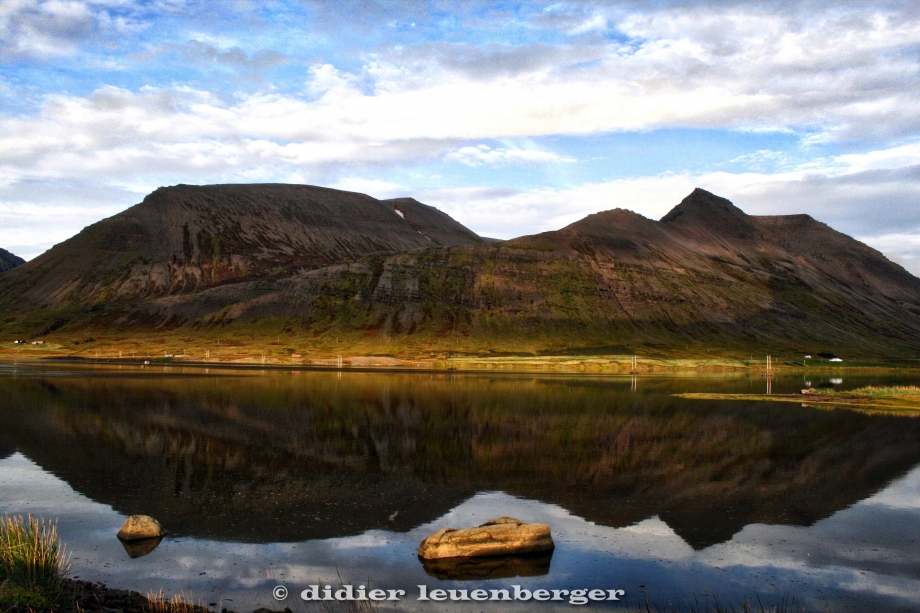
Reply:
x=184, y=238
x=9, y=261
x=706, y=273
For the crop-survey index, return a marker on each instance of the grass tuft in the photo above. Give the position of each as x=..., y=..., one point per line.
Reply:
x=32, y=563
x=180, y=603
x=896, y=390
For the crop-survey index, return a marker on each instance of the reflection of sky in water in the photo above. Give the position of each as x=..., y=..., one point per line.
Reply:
x=863, y=557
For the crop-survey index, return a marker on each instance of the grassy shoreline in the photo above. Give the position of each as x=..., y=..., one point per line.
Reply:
x=275, y=352
x=588, y=365
x=904, y=399
x=491, y=347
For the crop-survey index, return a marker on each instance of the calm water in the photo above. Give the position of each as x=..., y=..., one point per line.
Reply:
x=267, y=478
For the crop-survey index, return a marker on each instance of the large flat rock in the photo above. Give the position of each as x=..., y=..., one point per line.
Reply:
x=502, y=536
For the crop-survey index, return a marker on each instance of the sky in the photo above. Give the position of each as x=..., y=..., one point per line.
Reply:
x=513, y=117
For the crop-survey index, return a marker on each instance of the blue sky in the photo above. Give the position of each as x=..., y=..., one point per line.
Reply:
x=514, y=117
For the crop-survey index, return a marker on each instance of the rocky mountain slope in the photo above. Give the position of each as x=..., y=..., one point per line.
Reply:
x=186, y=238
x=9, y=261
x=705, y=274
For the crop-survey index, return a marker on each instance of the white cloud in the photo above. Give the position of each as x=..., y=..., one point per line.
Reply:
x=378, y=189
x=50, y=28
x=834, y=73
x=483, y=155
x=763, y=159
x=731, y=69
x=159, y=137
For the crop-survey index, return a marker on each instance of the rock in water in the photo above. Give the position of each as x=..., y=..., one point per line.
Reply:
x=140, y=527
x=502, y=536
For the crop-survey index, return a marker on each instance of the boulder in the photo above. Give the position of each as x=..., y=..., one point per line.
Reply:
x=140, y=527
x=502, y=536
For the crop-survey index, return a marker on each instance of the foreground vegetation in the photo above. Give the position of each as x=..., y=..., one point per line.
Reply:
x=904, y=399
x=33, y=569
x=32, y=563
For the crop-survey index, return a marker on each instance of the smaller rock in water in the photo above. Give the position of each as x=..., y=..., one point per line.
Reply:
x=140, y=527
x=502, y=536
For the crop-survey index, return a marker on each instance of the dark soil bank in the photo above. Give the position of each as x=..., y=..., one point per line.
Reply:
x=86, y=596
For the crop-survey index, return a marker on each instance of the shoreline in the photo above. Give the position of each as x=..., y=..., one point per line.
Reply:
x=891, y=403
x=550, y=365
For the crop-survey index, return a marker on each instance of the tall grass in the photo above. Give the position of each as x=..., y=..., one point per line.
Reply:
x=180, y=603
x=32, y=562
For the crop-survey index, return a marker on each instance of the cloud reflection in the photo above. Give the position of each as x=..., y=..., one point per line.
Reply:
x=862, y=556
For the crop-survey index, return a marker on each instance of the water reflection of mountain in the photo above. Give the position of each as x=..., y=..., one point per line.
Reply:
x=292, y=457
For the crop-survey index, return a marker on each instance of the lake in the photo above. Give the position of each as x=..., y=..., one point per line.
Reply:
x=267, y=478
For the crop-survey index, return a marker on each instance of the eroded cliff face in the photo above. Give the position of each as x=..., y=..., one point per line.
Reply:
x=315, y=456
x=185, y=239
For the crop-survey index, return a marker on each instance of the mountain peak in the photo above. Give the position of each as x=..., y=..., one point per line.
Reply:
x=703, y=204
x=703, y=210
x=186, y=238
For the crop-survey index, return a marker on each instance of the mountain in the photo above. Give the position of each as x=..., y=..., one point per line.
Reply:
x=364, y=271
x=186, y=238
x=706, y=273
x=9, y=261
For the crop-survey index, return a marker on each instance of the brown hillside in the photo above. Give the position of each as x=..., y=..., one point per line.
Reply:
x=185, y=238
x=707, y=274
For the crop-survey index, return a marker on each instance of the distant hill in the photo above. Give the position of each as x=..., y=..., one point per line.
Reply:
x=9, y=261
x=186, y=238
x=348, y=266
